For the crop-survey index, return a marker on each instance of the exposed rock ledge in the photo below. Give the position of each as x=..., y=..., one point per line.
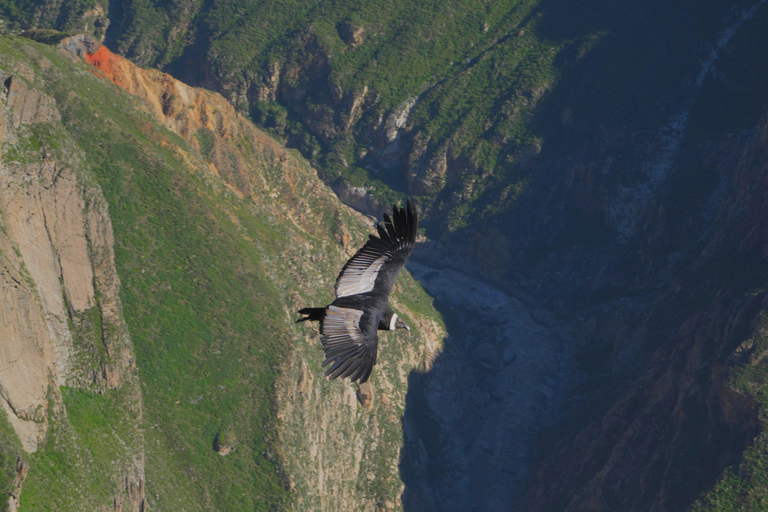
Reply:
x=56, y=239
x=61, y=318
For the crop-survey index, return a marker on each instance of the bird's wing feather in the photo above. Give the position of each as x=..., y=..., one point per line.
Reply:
x=377, y=264
x=350, y=343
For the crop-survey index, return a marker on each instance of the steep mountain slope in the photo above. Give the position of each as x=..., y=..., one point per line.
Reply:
x=674, y=350
x=677, y=382
x=69, y=384
x=220, y=235
x=607, y=158
x=575, y=158
x=66, y=15
x=455, y=101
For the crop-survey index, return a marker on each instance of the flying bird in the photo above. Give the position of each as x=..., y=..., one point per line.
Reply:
x=349, y=325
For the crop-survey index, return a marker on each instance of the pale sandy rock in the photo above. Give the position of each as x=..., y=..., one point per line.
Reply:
x=26, y=353
x=223, y=447
x=365, y=394
x=352, y=33
x=14, y=500
x=433, y=177
x=133, y=485
x=355, y=108
x=267, y=91
x=38, y=344
x=28, y=105
x=79, y=45
x=57, y=246
x=398, y=118
x=359, y=198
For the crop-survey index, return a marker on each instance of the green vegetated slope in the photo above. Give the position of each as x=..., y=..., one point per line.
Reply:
x=83, y=460
x=494, y=83
x=10, y=451
x=199, y=307
x=711, y=322
x=65, y=15
x=477, y=68
x=581, y=86
x=208, y=289
x=744, y=487
x=497, y=90
x=562, y=87
x=489, y=84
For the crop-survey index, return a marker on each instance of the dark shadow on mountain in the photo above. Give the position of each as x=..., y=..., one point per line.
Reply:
x=469, y=421
x=115, y=15
x=629, y=69
x=421, y=462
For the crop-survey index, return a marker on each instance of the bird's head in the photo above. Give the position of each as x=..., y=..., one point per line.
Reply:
x=395, y=322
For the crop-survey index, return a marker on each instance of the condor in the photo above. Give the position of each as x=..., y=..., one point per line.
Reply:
x=349, y=325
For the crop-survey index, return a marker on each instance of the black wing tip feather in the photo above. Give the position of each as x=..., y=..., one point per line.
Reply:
x=356, y=368
x=413, y=215
x=402, y=224
x=314, y=314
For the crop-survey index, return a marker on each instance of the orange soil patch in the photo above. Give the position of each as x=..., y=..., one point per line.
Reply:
x=105, y=61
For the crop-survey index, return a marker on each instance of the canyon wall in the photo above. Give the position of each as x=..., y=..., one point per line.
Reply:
x=62, y=316
x=72, y=369
x=340, y=442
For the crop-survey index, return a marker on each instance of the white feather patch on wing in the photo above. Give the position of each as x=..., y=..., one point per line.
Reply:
x=393, y=322
x=360, y=275
x=340, y=323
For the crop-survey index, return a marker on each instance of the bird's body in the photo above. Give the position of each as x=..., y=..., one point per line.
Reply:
x=349, y=325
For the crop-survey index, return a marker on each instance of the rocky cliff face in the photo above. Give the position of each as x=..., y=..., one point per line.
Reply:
x=677, y=325
x=340, y=445
x=680, y=420
x=456, y=103
x=343, y=442
x=65, y=311
x=62, y=316
x=650, y=245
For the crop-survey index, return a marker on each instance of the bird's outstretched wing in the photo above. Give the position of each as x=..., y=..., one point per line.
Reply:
x=376, y=265
x=350, y=343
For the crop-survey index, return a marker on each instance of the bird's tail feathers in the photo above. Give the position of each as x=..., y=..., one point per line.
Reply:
x=315, y=314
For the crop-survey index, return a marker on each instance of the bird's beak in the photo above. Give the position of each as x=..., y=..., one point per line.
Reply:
x=400, y=324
